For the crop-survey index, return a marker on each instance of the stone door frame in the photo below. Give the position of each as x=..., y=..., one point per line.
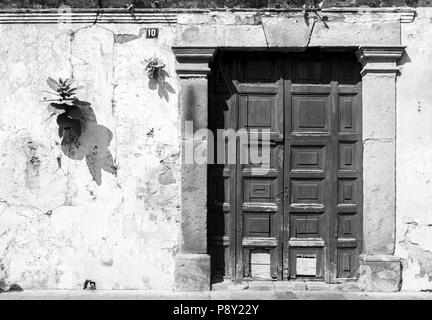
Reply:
x=379, y=269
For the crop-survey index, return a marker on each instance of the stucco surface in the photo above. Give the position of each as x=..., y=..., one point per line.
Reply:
x=378, y=163
x=59, y=226
x=287, y=29
x=414, y=155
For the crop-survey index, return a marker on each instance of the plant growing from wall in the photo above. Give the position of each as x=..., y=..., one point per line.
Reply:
x=68, y=105
x=315, y=7
x=157, y=77
x=73, y=113
x=155, y=68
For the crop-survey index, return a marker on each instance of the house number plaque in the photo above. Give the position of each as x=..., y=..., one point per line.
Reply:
x=152, y=33
x=306, y=265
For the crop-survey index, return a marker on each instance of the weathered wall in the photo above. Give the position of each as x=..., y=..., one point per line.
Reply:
x=124, y=232
x=59, y=227
x=414, y=154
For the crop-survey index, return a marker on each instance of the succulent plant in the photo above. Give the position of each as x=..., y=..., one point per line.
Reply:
x=154, y=68
x=68, y=104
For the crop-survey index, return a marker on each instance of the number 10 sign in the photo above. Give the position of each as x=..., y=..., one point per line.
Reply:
x=152, y=33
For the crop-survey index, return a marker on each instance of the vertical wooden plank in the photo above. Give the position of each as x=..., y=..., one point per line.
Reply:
x=332, y=235
x=286, y=167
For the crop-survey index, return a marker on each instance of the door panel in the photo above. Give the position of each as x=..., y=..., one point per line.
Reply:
x=301, y=217
x=259, y=206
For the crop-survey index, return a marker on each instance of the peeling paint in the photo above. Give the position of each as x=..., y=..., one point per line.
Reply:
x=120, y=233
x=123, y=38
x=121, y=229
x=165, y=175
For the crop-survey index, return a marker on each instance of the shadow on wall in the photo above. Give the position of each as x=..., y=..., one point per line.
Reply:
x=160, y=84
x=92, y=144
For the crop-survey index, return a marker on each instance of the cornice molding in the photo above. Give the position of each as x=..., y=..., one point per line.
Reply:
x=86, y=16
x=193, y=62
x=166, y=15
x=380, y=59
x=408, y=16
x=381, y=52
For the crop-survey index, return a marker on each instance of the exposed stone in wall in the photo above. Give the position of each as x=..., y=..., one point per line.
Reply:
x=209, y=3
x=282, y=29
x=416, y=251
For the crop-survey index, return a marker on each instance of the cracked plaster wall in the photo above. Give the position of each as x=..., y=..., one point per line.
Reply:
x=414, y=154
x=124, y=233
x=58, y=227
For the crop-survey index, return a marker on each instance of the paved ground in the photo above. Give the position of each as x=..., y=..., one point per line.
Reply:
x=248, y=290
x=213, y=295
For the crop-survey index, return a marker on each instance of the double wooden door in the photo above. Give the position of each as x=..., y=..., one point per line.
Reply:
x=300, y=214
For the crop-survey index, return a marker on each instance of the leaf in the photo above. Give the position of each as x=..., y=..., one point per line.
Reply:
x=74, y=112
x=64, y=121
x=153, y=84
x=53, y=84
x=93, y=166
x=76, y=127
x=60, y=106
x=168, y=87
x=69, y=81
x=163, y=74
x=60, y=132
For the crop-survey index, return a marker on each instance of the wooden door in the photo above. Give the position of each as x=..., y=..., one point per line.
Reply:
x=302, y=217
x=246, y=204
x=259, y=202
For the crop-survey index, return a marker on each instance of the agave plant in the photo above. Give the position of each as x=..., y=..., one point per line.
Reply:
x=68, y=104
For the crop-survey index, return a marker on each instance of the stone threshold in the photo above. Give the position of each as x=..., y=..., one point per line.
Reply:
x=228, y=285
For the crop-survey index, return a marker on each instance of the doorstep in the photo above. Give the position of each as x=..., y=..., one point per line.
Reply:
x=349, y=286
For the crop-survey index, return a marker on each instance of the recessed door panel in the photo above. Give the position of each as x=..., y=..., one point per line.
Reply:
x=310, y=113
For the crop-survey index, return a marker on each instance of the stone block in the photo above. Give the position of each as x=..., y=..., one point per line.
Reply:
x=379, y=197
x=349, y=286
x=220, y=286
x=194, y=211
x=290, y=285
x=321, y=286
x=230, y=286
x=261, y=285
x=285, y=295
x=380, y=273
x=283, y=32
x=192, y=272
